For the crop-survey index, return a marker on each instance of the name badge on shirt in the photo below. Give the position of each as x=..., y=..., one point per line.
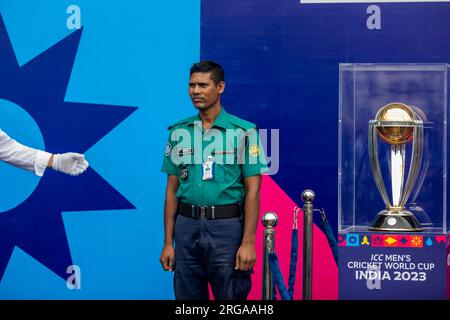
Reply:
x=208, y=169
x=185, y=151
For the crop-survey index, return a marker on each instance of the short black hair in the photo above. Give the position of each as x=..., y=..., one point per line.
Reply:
x=209, y=66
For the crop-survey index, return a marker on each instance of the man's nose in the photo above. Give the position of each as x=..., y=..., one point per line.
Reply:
x=196, y=90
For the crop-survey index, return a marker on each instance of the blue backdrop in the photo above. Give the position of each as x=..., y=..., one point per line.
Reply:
x=109, y=90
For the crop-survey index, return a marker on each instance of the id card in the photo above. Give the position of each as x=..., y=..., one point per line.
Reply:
x=208, y=169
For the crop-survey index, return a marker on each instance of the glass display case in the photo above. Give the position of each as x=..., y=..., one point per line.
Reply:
x=392, y=148
x=393, y=237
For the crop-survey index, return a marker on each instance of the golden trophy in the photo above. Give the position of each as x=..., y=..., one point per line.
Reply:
x=396, y=124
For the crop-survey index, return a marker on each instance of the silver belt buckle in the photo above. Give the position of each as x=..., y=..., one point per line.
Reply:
x=202, y=212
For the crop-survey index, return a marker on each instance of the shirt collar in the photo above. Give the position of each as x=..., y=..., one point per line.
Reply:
x=221, y=120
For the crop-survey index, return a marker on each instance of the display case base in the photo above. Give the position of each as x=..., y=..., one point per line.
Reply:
x=393, y=266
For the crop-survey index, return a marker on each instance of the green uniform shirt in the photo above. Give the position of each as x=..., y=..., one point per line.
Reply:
x=231, y=143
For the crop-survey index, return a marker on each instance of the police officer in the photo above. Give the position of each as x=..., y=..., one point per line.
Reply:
x=214, y=164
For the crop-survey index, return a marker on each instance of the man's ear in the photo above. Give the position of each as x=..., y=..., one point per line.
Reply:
x=221, y=87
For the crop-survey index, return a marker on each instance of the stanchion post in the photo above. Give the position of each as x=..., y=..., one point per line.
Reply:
x=308, y=208
x=269, y=220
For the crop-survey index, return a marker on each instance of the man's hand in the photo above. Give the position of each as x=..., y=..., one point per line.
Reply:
x=245, y=257
x=167, y=257
x=69, y=163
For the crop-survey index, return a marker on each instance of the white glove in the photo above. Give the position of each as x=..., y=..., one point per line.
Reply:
x=70, y=163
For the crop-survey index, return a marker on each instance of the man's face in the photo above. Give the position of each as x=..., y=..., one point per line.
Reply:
x=203, y=90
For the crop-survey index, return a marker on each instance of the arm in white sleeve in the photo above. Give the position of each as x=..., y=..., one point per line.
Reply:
x=22, y=156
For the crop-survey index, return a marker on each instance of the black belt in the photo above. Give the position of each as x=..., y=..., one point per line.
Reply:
x=209, y=212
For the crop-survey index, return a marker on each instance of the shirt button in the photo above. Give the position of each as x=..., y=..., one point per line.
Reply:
x=200, y=184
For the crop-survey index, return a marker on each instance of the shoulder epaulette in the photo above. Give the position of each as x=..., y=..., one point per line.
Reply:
x=180, y=122
x=238, y=122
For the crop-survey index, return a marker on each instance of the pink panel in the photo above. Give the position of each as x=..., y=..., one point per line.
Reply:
x=325, y=273
x=448, y=267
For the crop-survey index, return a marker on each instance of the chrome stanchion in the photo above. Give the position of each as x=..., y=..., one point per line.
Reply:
x=269, y=220
x=308, y=208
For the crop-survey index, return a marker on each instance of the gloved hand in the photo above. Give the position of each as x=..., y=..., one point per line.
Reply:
x=70, y=163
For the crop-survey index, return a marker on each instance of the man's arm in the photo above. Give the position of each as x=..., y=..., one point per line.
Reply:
x=170, y=208
x=37, y=161
x=22, y=156
x=246, y=256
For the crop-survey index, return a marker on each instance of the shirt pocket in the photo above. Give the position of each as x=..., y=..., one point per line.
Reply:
x=226, y=168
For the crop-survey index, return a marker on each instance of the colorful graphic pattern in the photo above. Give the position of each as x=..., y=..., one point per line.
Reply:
x=390, y=240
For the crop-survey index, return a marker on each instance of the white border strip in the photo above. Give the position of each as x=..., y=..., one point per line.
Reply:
x=366, y=1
